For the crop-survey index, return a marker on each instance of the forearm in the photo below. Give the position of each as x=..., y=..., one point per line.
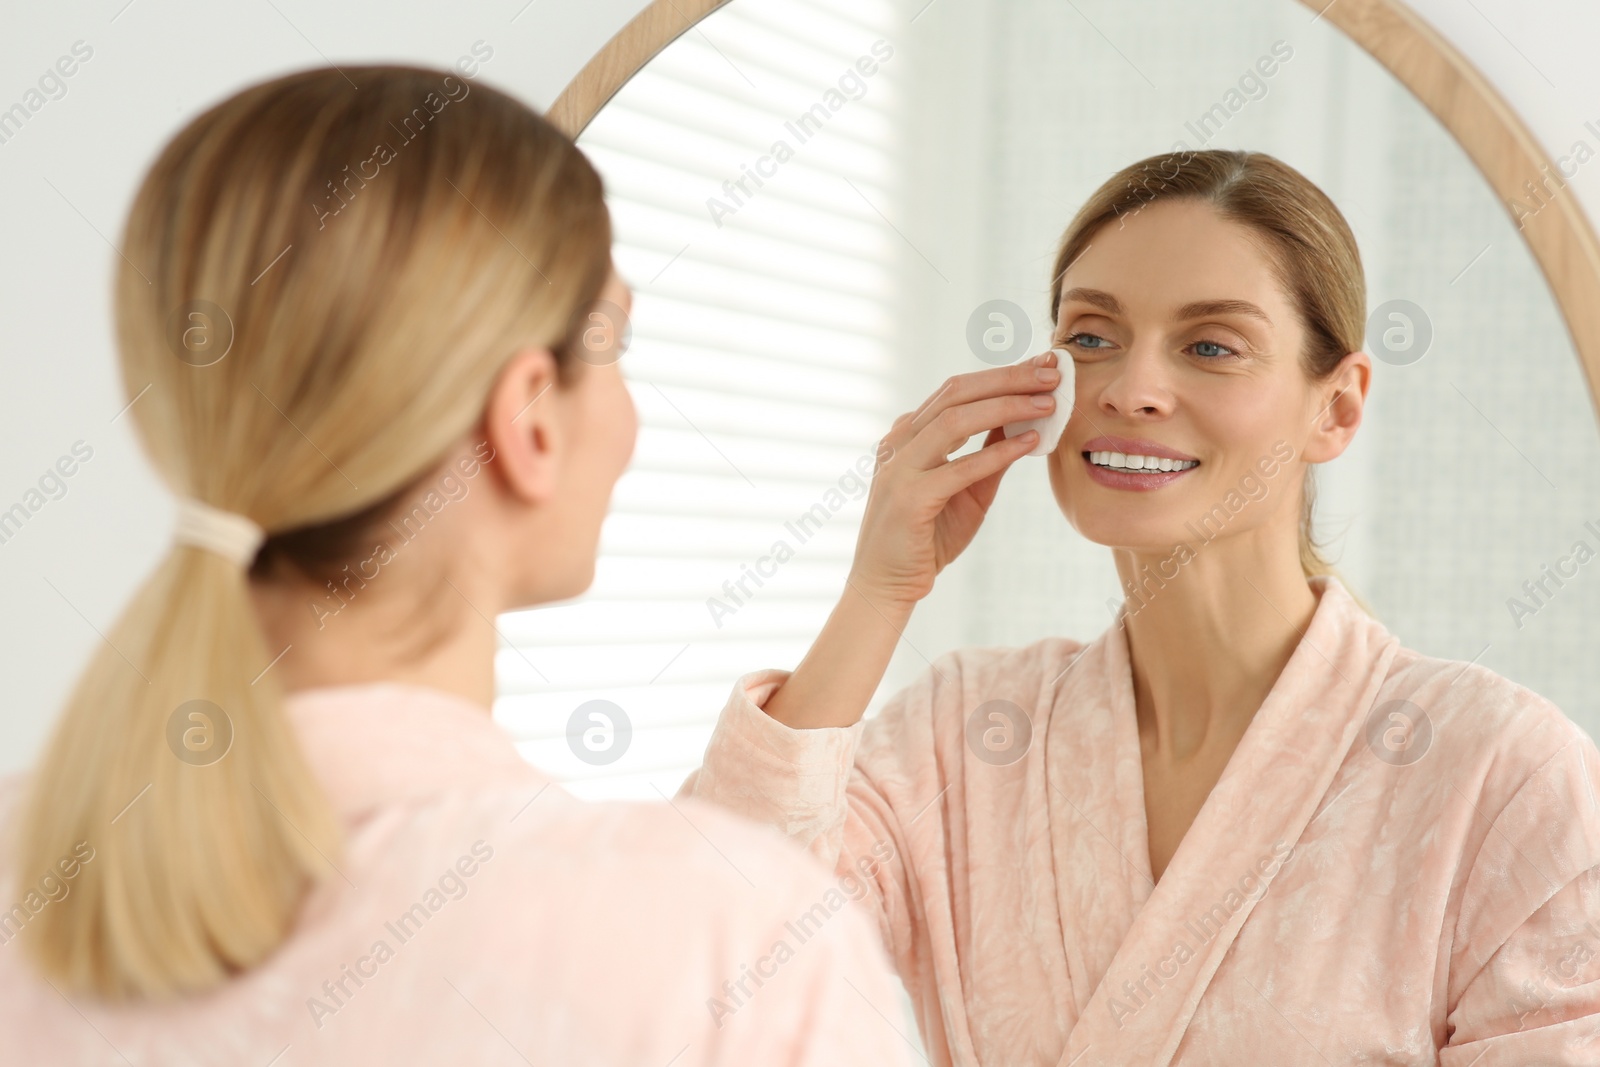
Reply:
x=833, y=683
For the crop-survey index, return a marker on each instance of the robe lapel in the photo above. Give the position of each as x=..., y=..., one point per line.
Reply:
x=1243, y=834
x=1095, y=797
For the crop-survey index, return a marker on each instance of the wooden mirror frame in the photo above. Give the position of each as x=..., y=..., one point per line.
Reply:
x=1459, y=96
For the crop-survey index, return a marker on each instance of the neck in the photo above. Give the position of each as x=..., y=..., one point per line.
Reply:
x=1207, y=645
x=388, y=629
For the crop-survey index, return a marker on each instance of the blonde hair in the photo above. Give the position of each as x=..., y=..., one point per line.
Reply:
x=374, y=253
x=1316, y=259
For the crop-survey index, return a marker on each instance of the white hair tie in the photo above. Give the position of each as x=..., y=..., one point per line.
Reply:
x=230, y=535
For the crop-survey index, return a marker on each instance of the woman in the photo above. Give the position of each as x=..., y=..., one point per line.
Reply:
x=276, y=823
x=1244, y=824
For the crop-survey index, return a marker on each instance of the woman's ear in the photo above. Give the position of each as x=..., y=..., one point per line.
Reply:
x=522, y=425
x=1341, y=398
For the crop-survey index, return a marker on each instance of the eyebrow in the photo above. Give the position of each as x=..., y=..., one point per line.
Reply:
x=1193, y=310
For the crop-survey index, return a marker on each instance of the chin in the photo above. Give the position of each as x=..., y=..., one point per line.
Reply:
x=1147, y=535
x=577, y=581
x=568, y=580
x=1132, y=521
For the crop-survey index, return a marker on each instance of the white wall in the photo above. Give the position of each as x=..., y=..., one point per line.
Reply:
x=66, y=179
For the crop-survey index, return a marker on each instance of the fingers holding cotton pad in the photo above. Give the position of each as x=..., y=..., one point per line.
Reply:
x=1050, y=426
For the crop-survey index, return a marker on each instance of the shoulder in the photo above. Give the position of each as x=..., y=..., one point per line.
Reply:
x=1506, y=767
x=681, y=896
x=668, y=893
x=674, y=872
x=1509, y=780
x=683, y=912
x=1483, y=725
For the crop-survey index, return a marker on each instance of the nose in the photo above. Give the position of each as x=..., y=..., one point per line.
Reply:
x=1139, y=387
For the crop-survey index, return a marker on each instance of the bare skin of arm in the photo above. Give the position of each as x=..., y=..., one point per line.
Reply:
x=922, y=510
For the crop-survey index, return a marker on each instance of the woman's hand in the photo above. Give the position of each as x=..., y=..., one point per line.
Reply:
x=923, y=509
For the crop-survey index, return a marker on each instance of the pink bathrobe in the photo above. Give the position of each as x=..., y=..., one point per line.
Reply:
x=1370, y=881
x=518, y=925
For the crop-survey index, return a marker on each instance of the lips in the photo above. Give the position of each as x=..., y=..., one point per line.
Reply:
x=1134, y=463
x=1135, y=446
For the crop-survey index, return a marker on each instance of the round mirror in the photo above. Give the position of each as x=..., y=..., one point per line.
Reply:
x=828, y=207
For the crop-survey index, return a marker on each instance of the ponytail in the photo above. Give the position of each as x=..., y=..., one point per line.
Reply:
x=174, y=763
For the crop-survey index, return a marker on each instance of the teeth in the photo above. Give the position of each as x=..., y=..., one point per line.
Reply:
x=1120, y=461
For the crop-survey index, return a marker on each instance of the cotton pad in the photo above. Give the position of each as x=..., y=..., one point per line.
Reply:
x=1050, y=426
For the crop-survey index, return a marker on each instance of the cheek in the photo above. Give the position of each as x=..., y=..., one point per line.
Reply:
x=627, y=420
x=612, y=420
x=1065, y=469
x=1245, y=416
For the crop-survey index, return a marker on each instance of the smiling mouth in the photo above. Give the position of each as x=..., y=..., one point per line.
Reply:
x=1120, y=461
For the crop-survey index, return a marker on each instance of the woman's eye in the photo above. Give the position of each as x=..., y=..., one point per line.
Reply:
x=1082, y=341
x=1212, y=350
